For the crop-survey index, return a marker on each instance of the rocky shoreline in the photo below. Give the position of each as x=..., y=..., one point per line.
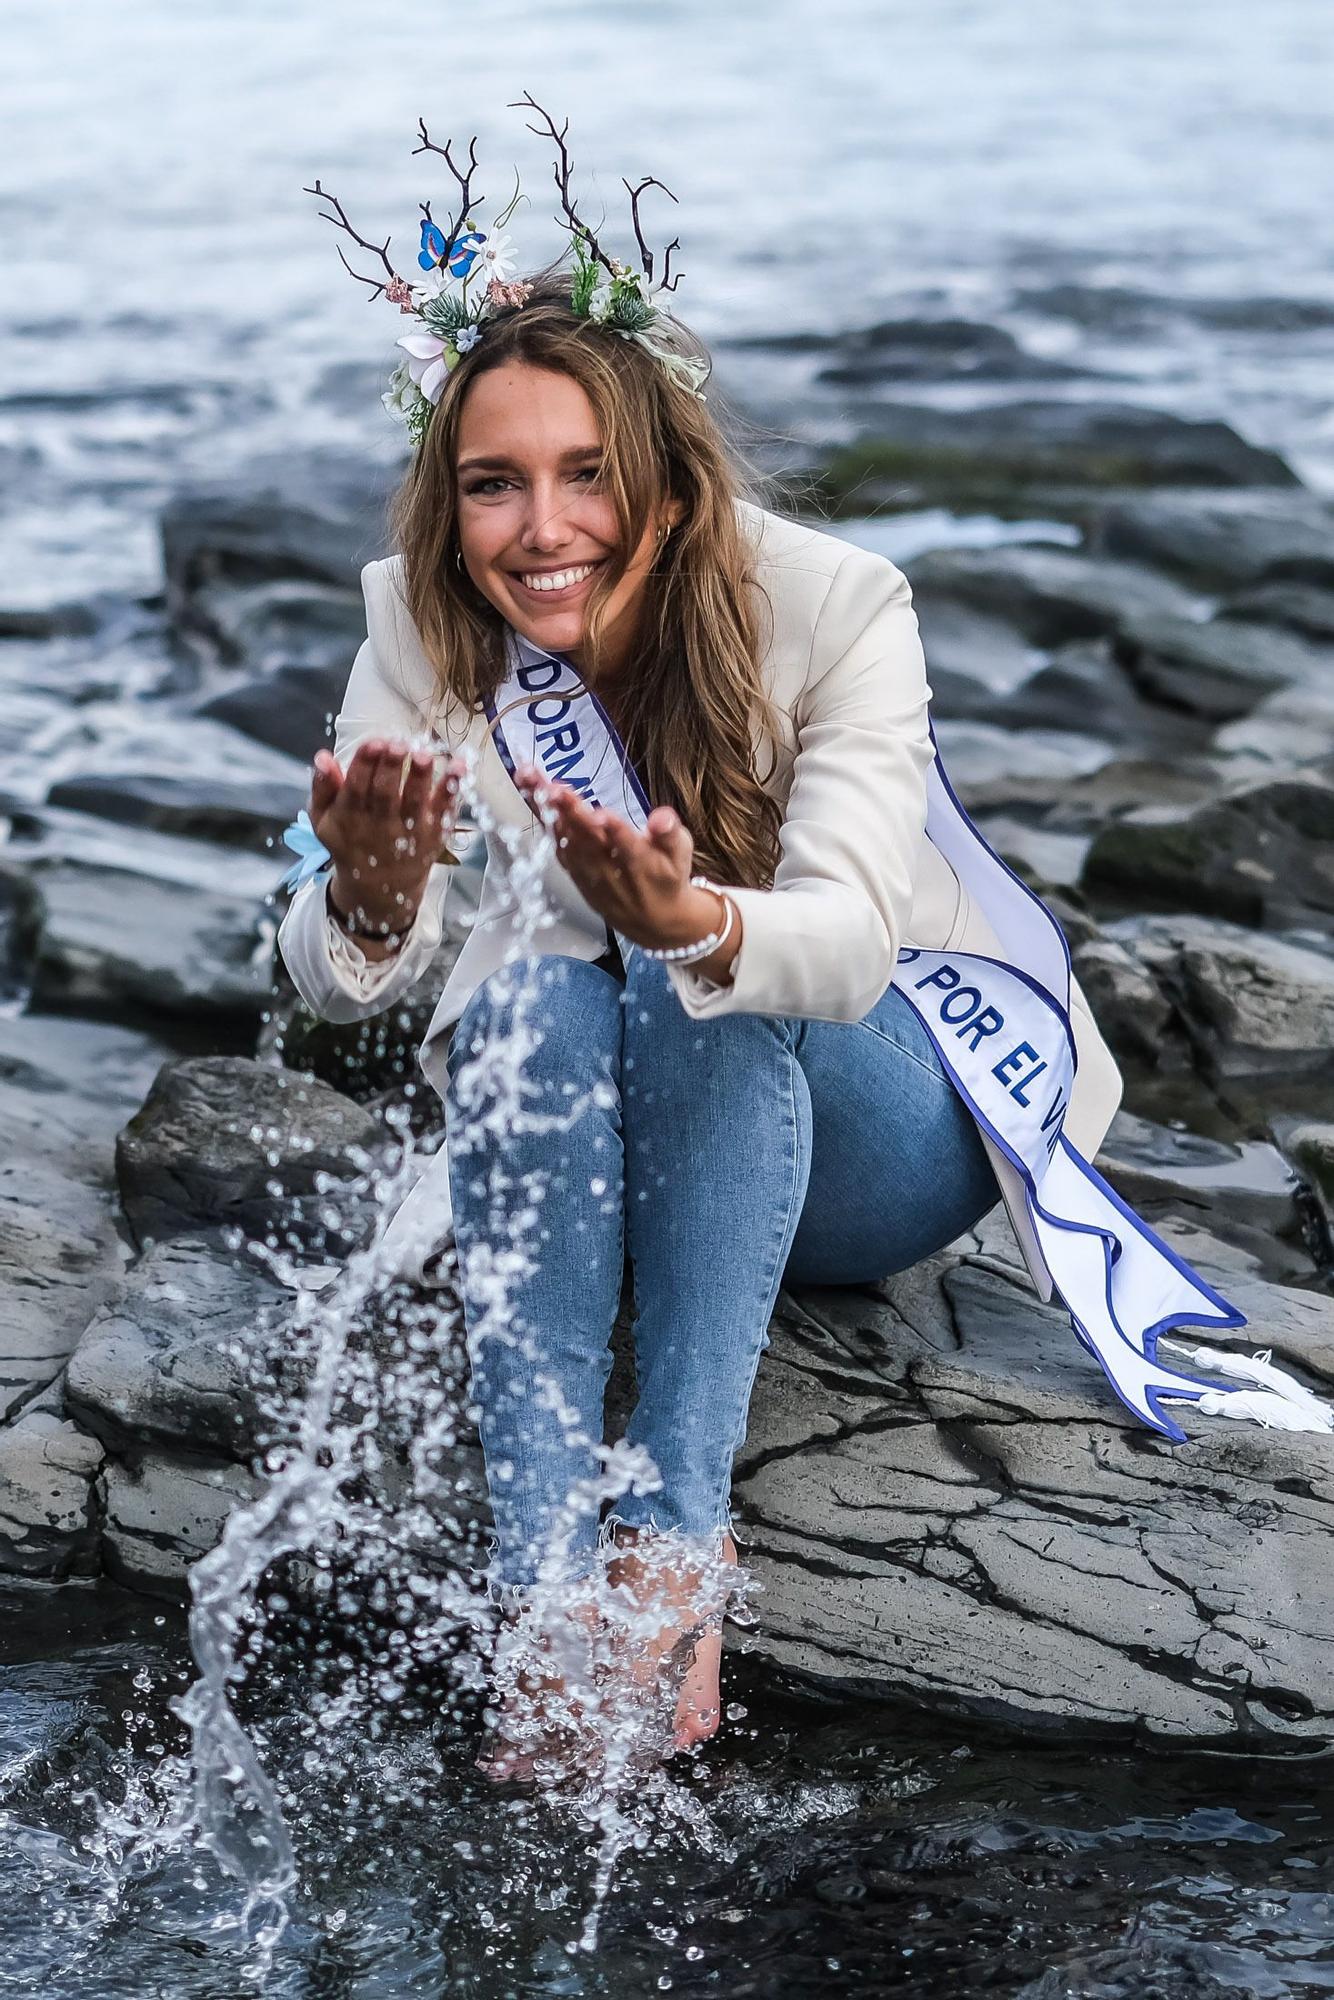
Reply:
x=942, y=1500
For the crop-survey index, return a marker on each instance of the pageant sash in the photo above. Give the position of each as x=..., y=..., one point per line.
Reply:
x=1001, y=1026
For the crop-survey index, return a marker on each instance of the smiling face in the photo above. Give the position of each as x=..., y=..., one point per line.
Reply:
x=535, y=528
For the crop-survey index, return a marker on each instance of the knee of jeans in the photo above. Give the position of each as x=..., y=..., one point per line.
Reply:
x=572, y=1005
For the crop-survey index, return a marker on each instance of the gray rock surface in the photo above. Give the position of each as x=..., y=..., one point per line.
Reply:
x=942, y=1500
x=164, y=1361
x=290, y=708
x=163, y=1510
x=65, y=1087
x=241, y=812
x=1219, y=669
x=1254, y=1005
x=1050, y=595
x=1246, y=1189
x=1264, y=855
x=943, y=1506
x=909, y=453
x=1224, y=540
x=222, y=1140
x=113, y=939
x=1301, y=607
x=49, y=1525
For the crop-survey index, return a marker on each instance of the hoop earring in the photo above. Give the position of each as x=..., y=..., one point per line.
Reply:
x=458, y=559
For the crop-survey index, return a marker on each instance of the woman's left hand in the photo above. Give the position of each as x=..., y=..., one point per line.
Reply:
x=639, y=882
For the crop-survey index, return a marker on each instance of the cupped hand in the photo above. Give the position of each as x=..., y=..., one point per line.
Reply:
x=384, y=821
x=639, y=882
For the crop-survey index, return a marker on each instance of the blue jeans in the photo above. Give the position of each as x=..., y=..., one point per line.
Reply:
x=729, y=1157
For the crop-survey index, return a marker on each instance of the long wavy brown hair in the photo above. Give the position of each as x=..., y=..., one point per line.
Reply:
x=687, y=709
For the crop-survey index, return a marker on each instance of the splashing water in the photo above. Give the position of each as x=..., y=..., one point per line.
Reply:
x=364, y=1527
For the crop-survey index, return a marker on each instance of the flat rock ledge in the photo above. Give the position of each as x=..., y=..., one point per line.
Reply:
x=945, y=1505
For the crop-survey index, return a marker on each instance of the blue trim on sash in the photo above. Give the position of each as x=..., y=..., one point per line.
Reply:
x=992, y=855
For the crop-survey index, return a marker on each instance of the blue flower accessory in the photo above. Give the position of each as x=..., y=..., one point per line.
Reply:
x=303, y=840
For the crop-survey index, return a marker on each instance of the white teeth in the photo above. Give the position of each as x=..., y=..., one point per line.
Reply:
x=559, y=579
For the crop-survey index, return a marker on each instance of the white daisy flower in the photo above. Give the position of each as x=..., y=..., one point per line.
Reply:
x=494, y=262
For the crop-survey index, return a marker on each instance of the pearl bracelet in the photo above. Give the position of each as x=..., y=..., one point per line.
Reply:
x=686, y=954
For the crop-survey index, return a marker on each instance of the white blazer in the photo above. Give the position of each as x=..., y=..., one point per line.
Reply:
x=843, y=664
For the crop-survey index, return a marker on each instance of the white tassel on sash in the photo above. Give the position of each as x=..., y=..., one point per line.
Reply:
x=1002, y=1028
x=1281, y=1403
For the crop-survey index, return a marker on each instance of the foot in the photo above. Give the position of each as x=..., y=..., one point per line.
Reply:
x=540, y=1727
x=689, y=1641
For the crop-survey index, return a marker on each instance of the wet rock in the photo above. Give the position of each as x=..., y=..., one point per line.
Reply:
x=20, y=923
x=291, y=708
x=918, y=350
x=973, y=656
x=1309, y=1144
x=1244, y=1192
x=1167, y=1968
x=48, y=621
x=944, y=1505
x=244, y=813
x=1220, y=669
x=1156, y=786
x=1049, y=595
x=1224, y=541
x=1262, y=855
x=64, y=1088
x=1138, y=1020
x=992, y=767
x=303, y=517
x=48, y=1502
x=1301, y=607
x=114, y=940
x=167, y=1359
x=1254, y=1005
x=224, y=1141
x=911, y=455
x=1287, y=731
x=267, y=625
x=60, y=1253
x=1083, y=688
x=1128, y=309
x=163, y=1510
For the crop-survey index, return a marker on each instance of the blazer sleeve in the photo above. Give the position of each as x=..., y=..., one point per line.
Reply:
x=329, y=970
x=822, y=943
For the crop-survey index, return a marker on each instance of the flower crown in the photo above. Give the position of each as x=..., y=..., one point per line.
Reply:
x=470, y=278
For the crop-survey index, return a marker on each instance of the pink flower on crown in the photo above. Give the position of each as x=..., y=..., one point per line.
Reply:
x=508, y=295
x=399, y=293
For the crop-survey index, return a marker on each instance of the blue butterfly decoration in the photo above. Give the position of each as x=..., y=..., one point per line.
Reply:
x=461, y=258
x=313, y=855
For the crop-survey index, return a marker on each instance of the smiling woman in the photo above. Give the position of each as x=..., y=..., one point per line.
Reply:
x=723, y=716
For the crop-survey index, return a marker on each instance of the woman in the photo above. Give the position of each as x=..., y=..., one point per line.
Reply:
x=771, y=1111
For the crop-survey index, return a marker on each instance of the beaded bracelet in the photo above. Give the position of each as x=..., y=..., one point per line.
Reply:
x=686, y=954
x=346, y=922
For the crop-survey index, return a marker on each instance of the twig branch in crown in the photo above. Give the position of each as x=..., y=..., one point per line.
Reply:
x=470, y=278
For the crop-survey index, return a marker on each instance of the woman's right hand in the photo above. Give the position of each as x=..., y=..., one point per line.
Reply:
x=384, y=821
